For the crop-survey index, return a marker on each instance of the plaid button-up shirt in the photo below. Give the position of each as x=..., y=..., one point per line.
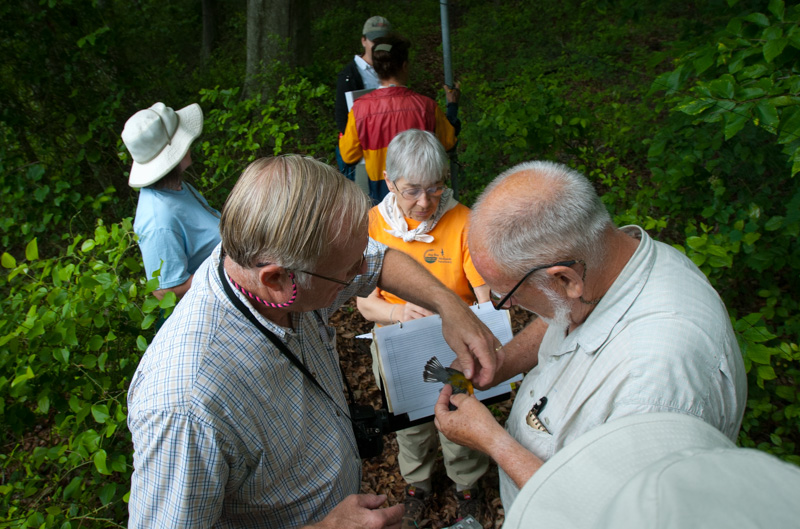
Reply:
x=227, y=432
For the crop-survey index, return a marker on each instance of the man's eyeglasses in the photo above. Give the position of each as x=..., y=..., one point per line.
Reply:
x=414, y=193
x=502, y=301
x=326, y=278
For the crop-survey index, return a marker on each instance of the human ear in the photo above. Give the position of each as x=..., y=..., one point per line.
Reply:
x=271, y=277
x=571, y=282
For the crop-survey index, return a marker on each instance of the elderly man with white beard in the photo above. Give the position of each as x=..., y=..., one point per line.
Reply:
x=627, y=325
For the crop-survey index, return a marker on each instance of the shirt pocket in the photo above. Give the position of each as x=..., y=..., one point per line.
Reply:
x=541, y=443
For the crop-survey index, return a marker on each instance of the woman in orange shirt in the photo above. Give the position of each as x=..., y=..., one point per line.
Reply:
x=420, y=217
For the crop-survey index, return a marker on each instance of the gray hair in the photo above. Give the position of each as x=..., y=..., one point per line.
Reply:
x=553, y=215
x=418, y=156
x=290, y=210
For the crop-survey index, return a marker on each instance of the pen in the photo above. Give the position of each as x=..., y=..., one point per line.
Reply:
x=539, y=406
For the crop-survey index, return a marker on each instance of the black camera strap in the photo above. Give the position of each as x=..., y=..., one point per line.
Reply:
x=282, y=347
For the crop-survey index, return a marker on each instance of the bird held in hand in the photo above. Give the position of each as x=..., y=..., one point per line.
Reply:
x=436, y=372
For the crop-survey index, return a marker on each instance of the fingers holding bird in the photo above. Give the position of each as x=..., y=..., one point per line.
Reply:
x=471, y=424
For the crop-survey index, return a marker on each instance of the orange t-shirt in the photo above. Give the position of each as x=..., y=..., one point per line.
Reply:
x=447, y=257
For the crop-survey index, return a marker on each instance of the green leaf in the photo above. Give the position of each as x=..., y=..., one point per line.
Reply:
x=758, y=18
x=695, y=243
x=73, y=487
x=759, y=354
x=723, y=88
x=776, y=7
x=141, y=343
x=150, y=304
x=100, y=413
x=767, y=115
x=96, y=342
x=169, y=300
x=773, y=48
x=696, y=106
x=766, y=373
x=774, y=223
x=100, y=462
x=87, y=245
x=61, y=355
x=107, y=493
x=27, y=375
x=751, y=72
x=734, y=122
x=8, y=261
x=32, y=250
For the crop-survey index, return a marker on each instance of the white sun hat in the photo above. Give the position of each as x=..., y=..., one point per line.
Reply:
x=658, y=471
x=158, y=138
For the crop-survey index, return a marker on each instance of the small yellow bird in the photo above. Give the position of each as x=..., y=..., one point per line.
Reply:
x=436, y=372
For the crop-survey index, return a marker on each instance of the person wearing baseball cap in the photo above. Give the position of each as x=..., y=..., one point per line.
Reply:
x=357, y=75
x=176, y=227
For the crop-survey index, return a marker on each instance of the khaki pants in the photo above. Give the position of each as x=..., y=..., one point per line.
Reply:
x=418, y=450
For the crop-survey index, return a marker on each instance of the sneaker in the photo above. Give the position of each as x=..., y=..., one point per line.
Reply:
x=416, y=503
x=470, y=502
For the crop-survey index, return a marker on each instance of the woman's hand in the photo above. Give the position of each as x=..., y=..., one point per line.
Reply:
x=409, y=311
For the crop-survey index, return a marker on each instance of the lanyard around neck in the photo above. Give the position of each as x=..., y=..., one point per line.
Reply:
x=282, y=347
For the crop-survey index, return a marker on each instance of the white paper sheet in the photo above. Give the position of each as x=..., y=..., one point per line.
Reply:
x=405, y=349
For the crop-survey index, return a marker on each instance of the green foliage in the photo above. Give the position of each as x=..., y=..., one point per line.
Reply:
x=237, y=131
x=723, y=164
x=72, y=331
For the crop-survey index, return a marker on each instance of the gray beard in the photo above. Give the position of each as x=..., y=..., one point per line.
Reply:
x=561, y=310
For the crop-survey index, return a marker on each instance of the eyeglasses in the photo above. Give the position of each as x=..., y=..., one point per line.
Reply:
x=339, y=281
x=499, y=304
x=414, y=193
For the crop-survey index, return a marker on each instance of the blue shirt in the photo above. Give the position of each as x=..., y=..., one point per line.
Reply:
x=227, y=431
x=175, y=228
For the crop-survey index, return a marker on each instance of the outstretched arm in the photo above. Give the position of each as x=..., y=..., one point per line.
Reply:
x=473, y=342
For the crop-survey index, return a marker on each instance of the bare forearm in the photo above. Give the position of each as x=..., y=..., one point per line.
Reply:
x=521, y=354
x=403, y=276
x=179, y=290
x=515, y=460
x=373, y=308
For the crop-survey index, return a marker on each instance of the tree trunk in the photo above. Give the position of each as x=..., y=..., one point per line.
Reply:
x=277, y=30
x=209, y=29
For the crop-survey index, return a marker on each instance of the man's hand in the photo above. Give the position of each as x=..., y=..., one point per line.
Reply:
x=471, y=340
x=453, y=94
x=471, y=425
x=361, y=511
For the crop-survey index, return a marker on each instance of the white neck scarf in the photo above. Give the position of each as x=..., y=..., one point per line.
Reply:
x=398, y=226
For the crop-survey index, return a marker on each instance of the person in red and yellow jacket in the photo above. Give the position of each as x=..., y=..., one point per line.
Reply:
x=421, y=218
x=380, y=115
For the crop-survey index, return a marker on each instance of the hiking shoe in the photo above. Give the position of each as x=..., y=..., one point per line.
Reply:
x=470, y=502
x=416, y=503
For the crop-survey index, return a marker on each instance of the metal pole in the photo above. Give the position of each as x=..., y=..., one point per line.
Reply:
x=448, y=68
x=448, y=80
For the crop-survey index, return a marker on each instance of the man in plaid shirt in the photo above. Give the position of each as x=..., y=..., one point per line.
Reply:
x=227, y=431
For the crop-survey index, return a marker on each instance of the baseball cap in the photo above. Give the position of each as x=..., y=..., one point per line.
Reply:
x=376, y=27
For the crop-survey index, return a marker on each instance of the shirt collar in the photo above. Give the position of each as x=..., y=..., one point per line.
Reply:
x=600, y=324
x=219, y=291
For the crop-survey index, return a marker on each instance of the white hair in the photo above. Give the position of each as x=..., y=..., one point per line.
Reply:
x=418, y=157
x=557, y=216
x=291, y=210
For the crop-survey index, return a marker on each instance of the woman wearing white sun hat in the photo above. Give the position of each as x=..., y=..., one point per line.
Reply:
x=177, y=229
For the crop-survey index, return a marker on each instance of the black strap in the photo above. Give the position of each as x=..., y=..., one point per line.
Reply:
x=266, y=332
